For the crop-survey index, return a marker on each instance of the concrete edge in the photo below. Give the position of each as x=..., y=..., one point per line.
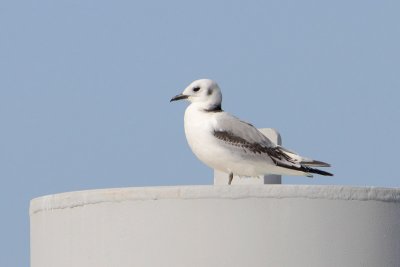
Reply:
x=332, y=192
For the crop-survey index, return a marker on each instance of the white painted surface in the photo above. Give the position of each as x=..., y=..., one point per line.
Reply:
x=247, y=225
x=221, y=178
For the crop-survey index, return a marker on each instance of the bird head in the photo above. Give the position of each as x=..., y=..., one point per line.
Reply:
x=204, y=92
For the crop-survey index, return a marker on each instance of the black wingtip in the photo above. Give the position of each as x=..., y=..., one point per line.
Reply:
x=317, y=171
x=304, y=169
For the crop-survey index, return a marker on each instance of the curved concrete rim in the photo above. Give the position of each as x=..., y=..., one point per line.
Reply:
x=88, y=197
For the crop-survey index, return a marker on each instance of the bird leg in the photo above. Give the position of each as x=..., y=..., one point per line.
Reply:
x=230, y=178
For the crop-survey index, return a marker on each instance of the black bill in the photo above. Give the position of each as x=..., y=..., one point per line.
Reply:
x=179, y=97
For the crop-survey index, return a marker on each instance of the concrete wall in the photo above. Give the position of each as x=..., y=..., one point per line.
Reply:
x=248, y=225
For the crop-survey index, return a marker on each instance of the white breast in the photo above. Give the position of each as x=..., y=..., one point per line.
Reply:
x=199, y=128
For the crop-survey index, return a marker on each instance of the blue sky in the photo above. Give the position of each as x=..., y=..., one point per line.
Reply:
x=85, y=89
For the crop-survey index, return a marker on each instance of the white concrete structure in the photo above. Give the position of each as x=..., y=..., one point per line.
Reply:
x=221, y=178
x=215, y=226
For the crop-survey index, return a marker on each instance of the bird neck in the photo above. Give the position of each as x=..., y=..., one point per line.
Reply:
x=214, y=108
x=207, y=106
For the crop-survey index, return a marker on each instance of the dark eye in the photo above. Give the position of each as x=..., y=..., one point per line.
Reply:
x=195, y=89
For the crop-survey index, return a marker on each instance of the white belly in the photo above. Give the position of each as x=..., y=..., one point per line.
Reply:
x=199, y=127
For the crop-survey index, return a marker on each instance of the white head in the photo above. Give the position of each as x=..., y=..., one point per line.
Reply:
x=204, y=93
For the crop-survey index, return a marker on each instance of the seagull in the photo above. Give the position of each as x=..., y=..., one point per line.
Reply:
x=228, y=144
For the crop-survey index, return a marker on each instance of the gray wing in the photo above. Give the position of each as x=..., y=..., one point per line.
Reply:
x=244, y=136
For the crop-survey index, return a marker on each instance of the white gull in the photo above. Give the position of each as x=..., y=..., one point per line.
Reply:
x=225, y=143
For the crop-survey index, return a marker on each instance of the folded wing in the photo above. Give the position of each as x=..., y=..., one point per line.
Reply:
x=244, y=136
